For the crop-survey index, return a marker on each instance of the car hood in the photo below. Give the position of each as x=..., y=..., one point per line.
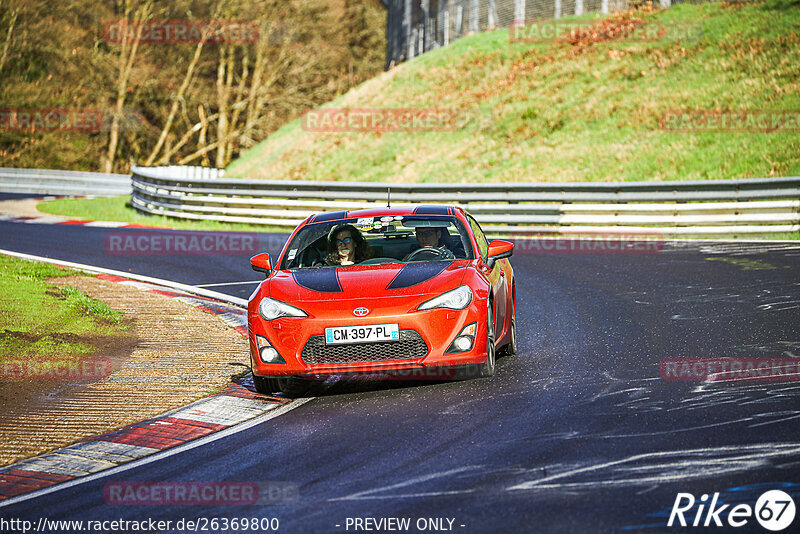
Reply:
x=369, y=281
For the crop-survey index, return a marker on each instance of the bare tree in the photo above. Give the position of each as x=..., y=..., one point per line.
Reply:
x=179, y=97
x=176, y=100
x=257, y=84
x=201, y=112
x=7, y=43
x=127, y=56
x=227, y=57
x=241, y=95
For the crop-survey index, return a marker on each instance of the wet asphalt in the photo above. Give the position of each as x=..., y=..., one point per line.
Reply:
x=578, y=432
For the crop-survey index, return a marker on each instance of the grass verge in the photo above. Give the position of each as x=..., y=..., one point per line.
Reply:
x=39, y=320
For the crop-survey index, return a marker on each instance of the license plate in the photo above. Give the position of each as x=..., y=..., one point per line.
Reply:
x=338, y=335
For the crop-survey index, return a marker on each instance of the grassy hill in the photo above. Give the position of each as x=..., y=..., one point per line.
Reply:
x=571, y=109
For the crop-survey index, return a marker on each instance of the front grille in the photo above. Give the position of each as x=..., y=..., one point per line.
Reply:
x=410, y=346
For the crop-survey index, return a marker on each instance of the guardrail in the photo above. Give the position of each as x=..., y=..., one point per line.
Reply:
x=54, y=182
x=713, y=207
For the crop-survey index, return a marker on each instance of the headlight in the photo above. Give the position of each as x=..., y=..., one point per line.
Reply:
x=457, y=299
x=271, y=309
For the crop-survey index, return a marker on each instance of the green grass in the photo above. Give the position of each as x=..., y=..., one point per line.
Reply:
x=43, y=321
x=118, y=209
x=557, y=112
x=785, y=236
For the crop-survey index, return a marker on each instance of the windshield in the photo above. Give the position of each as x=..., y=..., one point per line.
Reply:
x=377, y=241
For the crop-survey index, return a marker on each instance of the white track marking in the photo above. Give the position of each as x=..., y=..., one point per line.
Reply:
x=63, y=464
x=666, y=466
x=163, y=454
x=105, y=224
x=160, y=281
x=46, y=220
x=230, y=283
x=221, y=410
x=109, y=450
x=367, y=494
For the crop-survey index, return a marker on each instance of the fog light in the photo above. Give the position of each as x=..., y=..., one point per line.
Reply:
x=267, y=352
x=269, y=355
x=464, y=340
x=463, y=343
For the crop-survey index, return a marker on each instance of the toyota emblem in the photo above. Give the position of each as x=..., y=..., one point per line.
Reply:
x=360, y=312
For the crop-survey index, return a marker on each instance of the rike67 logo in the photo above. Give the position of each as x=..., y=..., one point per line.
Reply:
x=774, y=511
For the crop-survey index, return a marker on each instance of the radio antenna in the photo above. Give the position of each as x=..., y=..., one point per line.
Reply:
x=388, y=197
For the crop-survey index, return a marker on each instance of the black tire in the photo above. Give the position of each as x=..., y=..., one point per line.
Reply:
x=487, y=368
x=268, y=385
x=510, y=348
x=288, y=386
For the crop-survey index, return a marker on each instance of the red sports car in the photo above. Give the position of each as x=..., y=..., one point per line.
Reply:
x=403, y=291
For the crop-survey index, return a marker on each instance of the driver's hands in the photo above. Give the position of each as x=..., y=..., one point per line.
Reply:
x=441, y=253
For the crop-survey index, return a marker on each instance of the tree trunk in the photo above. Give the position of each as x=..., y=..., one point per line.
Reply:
x=187, y=80
x=224, y=80
x=126, y=60
x=8, y=39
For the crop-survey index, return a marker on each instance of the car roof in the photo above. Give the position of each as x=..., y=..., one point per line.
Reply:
x=433, y=209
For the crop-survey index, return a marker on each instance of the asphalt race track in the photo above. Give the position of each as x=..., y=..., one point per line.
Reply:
x=576, y=433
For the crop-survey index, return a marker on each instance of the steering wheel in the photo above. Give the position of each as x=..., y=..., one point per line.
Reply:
x=315, y=256
x=378, y=261
x=438, y=252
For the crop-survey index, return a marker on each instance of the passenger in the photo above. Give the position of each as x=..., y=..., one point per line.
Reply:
x=346, y=246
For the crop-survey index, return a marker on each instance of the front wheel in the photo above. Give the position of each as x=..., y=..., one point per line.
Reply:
x=287, y=386
x=267, y=385
x=487, y=369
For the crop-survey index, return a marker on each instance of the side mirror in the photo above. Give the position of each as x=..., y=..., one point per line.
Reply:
x=261, y=263
x=498, y=249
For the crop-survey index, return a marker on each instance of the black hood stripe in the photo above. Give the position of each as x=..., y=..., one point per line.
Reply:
x=324, y=280
x=416, y=273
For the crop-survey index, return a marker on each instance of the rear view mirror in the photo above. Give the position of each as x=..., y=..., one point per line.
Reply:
x=261, y=263
x=499, y=249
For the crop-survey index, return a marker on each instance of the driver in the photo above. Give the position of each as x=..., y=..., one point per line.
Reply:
x=346, y=246
x=430, y=236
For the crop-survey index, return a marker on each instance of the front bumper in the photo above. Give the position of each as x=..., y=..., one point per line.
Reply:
x=425, y=336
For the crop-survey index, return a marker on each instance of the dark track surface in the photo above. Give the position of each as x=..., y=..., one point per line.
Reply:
x=576, y=433
x=87, y=245
x=17, y=196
